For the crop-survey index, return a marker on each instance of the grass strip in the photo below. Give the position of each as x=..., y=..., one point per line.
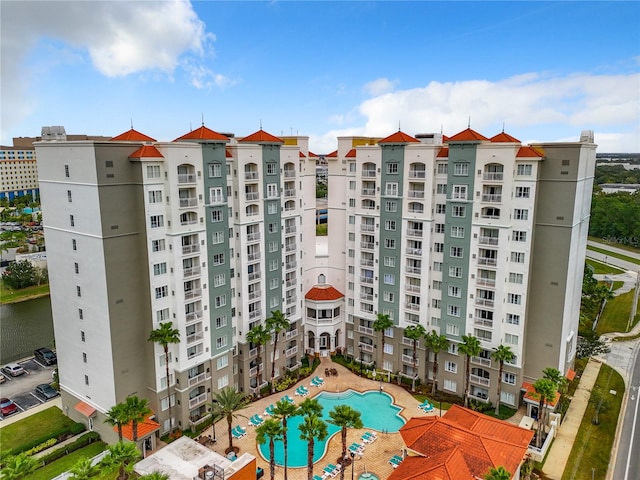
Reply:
x=609, y=243
x=600, y=268
x=616, y=314
x=8, y=295
x=613, y=254
x=65, y=463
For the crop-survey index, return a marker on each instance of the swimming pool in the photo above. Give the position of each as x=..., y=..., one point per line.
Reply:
x=377, y=412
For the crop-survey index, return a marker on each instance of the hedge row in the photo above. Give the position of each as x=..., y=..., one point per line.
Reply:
x=59, y=434
x=77, y=444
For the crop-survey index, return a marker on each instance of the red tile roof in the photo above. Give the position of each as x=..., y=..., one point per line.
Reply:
x=84, y=408
x=399, y=137
x=132, y=136
x=530, y=152
x=321, y=293
x=351, y=153
x=145, y=428
x=261, y=137
x=333, y=154
x=462, y=444
x=203, y=133
x=532, y=395
x=504, y=138
x=227, y=153
x=467, y=135
x=302, y=155
x=147, y=151
x=311, y=154
x=443, y=153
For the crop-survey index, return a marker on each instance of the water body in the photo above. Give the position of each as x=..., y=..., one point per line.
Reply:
x=25, y=326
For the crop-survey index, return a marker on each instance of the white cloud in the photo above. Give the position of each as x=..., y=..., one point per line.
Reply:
x=379, y=86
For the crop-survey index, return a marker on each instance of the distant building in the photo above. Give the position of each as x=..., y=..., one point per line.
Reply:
x=620, y=187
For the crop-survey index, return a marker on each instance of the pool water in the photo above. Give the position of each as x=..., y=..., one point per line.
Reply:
x=377, y=412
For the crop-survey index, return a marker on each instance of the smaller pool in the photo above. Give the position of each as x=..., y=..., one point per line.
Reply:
x=368, y=476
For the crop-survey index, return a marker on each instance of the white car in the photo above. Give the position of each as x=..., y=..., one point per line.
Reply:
x=14, y=369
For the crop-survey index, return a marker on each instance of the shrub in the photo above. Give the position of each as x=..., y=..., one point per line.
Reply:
x=38, y=448
x=305, y=371
x=77, y=428
x=77, y=444
x=284, y=383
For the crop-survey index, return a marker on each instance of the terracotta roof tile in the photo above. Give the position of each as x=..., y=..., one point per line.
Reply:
x=530, y=152
x=399, y=137
x=531, y=394
x=302, y=155
x=227, y=153
x=145, y=428
x=84, y=408
x=351, y=153
x=504, y=138
x=203, y=133
x=147, y=151
x=443, y=153
x=132, y=136
x=467, y=135
x=333, y=154
x=311, y=154
x=323, y=293
x=261, y=137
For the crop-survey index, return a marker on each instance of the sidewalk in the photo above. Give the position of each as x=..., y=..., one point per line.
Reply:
x=563, y=443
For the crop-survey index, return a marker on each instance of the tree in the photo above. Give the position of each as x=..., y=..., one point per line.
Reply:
x=312, y=428
x=227, y=402
x=155, y=476
x=556, y=377
x=276, y=323
x=117, y=417
x=546, y=392
x=271, y=429
x=20, y=274
x=121, y=456
x=380, y=324
x=345, y=417
x=600, y=403
x=527, y=468
x=470, y=347
x=83, y=469
x=17, y=467
x=501, y=354
x=436, y=343
x=259, y=336
x=499, y=473
x=137, y=410
x=414, y=333
x=284, y=410
x=165, y=335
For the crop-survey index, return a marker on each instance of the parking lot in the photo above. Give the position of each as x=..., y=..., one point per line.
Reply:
x=21, y=389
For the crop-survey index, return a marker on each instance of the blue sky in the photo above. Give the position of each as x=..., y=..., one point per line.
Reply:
x=547, y=70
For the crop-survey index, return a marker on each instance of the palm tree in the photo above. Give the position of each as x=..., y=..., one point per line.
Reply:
x=165, y=335
x=546, y=392
x=18, y=466
x=312, y=428
x=414, y=332
x=121, y=456
x=501, y=354
x=271, y=429
x=556, y=377
x=283, y=410
x=276, y=323
x=117, y=417
x=84, y=469
x=499, y=473
x=470, y=347
x=155, y=476
x=137, y=410
x=380, y=324
x=258, y=335
x=436, y=343
x=345, y=417
x=227, y=402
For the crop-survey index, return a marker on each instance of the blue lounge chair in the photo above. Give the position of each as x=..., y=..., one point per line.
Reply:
x=368, y=437
x=269, y=410
x=255, y=421
x=395, y=461
x=356, y=448
x=317, y=477
x=287, y=398
x=317, y=381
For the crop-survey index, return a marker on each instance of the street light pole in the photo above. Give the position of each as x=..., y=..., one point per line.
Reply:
x=353, y=461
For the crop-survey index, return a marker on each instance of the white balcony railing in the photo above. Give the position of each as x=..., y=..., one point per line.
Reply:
x=366, y=262
x=365, y=347
x=190, y=272
x=290, y=247
x=487, y=261
x=191, y=316
x=486, y=362
x=293, y=367
x=413, y=288
x=485, y=382
x=291, y=351
x=409, y=342
x=255, y=294
x=255, y=313
x=193, y=402
x=289, y=173
x=368, y=173
x=417, y=270
x=365, y=330
x=414, y=251
x=254, y=275
x=290, y=229
x=487, y=282
x=409, y=359
x=417, y=174
x=488, y=240
x=291, y=299
x=188, y=202
x=189, y=294
x=250, y=175
x=492, y=198
x=366, y=245
x=484, y=322
x=253, y=236
x=414, y=232
x=291, y=283
x=367, y=192
x=193, y=248
x=194, y=337
x=201, y=377
x=412, y=306
x=366, y=296
x=493, y=176
x=416, y=193
x=290, y=265
x=485, y=302
x=250, y=196
x=290, y=192
x=366, y=279
x=367, y=227
x=291, y=334
x=253, y=256
x=187, y=178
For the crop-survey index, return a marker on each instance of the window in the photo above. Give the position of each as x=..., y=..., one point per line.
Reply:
x=510, y=339
x=392, y=168
x=157, y=245
x=516, y=278
x=76, y=267
x=390, y=225
x=438, y=247
x=273, y=302
x=222, y=362
x=389, y=261
x=450, y=385
x=441, y=188
x=453, y=310
x=273, y=265
x=389, y=243
x=72, y=221
x=66, y=171
x=442, y=168
x=352, y=202
x=454, y=291
x=520, y=214
x=78, y=291
x=452, y=348
x=153, y=171
x=524, y=169
x=69, y=196
x=437, y=285
x=391, y=189
x=84, y=357
x=156, y=221
x=221, y=342
x=218, y=259
x=272, y=227
x=220, y=301
x=459, y=192
x=513, y=319
x=514, y=298
x=508, y=398
x=437, y=266
x=451, y=367
x=160, y=268
x=272, y=168
x=391, y=206
x=522, y=192
x=519, y=236
x=352, y=185
x=272, y=208
x=272, y=190
x=455, y=272
x=455, y=252
x=219, y=280
x=221, y=321
x=439, y=228
x=223, y=381
x=435, y=303
x=389, y=279
x=457, y=232
x=216, y=195
x=441, y=208
x=82, y=336
x=80, y=314
x=162, y=315
x=217, y=238
x=273, y=246
x=162, y=292
x=86, y=379
x=155, y=196
x=74, y=244
x=461, y=169
x=215, y=170
x=388, y=297
x=517, y=257
x=509, y=378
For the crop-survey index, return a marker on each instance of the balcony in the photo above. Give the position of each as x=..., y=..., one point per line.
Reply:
x=322, y=321
x=366, y=279
x=492, y=262
x=493, y=176
x=191, y=316
x=255, y=294
x=291, y=192
x=194, y=421
x=201, y=377
x=414, y=251
x=195, y=401
x=291, y=334
x=484, y=322
x=365, y=347
x=253, y=256
x=186, y=178
x=192, y=248
x=414, y=232
x=254, y=370
x=365, y=330
x=369, y=207
x=417, y=174
x=416, y=193
x=254, y=275
x=255, y=313
x=416, y=270
x=251, y=196
x=485, y=362
x=412, y=306
x=250, y=175
x=290, y=265
x=253, y=237
x=366, y=296
x=485, y=382
x=409, y=342
x=485, y=302
x=289, y=173
x=368, y=173
x=486, y=282
x=366, y=245
x=368, y=192
x=290, y=229
x=195, y=293
x=409, y=359
x=188, y=202
x=290, y=247
x=367, y=228
x=492, y=198
x=190, y=272
x=194, y=337
x=291, y=368
x=291, y=299
x=413, y=288
x=488, y=240
x=289, y=352
x=255, y=390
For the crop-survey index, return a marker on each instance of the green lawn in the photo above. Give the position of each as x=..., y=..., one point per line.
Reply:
x=614, y=254
x=621, y=246
x=617, y=285
x=8, y=295
x=65, y=463
x=616, y=314
x=37, y=428
x=592, y=447
x=600, y=268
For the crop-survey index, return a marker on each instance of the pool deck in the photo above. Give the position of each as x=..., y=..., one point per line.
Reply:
x=376, y=455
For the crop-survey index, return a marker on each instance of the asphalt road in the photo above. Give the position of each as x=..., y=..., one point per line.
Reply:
x=21, y=389
x=608, y=259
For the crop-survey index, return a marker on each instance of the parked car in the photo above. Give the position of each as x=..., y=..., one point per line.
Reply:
x=2, y=378
x=7, y=407
x=14, y=369
x=45, y=356
x=47, y=391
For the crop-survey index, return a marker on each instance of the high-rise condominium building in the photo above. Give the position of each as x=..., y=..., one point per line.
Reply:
x=464, y=235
